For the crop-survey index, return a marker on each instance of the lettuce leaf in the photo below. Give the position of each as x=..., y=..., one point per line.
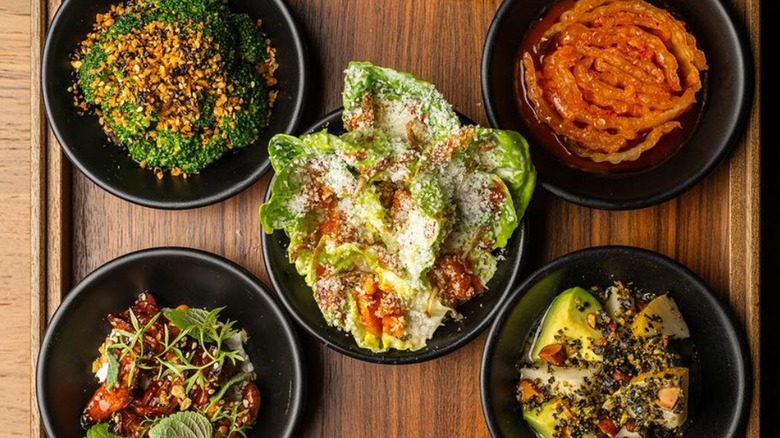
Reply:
x=393, y=99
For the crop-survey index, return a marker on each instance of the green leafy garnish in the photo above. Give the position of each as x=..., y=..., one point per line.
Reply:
x=238, y=378
x=204, y=326
x=201, y=324
x=112, y=379
x=182, y=425
x=100, y=430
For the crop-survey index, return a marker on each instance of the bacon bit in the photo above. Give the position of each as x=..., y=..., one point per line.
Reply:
x=554, y=354
x=380, y=310
x=528, y=391
x=608, y=427
x=441, y=153
x=497, y=196
x=453, y=277
x=631, y=425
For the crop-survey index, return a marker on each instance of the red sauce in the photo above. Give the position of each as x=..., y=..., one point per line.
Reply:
x=555, y=144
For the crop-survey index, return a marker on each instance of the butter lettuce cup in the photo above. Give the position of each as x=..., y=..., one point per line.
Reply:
x=561, y=343
x=476, y=314
x=233, y=97
x=181, y=281
x=394, y=228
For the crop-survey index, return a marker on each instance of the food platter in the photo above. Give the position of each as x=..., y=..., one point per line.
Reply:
x=712, y=229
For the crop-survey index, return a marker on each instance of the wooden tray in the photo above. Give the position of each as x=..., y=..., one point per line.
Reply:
x=713, y=228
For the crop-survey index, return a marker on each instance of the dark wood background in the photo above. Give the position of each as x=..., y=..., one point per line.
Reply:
x=712, y=228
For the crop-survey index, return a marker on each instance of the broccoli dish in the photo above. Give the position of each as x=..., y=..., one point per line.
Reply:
x=399, y=220
x=176, y=82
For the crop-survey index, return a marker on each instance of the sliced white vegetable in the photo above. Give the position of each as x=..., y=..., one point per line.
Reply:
x=616, y=298
x=661, y=316
x=624, y=433
x=565, y=380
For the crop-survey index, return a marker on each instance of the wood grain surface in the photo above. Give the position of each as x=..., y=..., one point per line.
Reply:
x=15, y=250
x=713, y=228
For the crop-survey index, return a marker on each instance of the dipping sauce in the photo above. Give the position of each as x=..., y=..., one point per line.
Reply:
x=610, y=85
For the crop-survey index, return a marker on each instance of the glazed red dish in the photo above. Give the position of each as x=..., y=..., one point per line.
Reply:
x=610, y=84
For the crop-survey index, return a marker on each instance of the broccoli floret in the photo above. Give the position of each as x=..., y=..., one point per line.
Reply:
x=251, y=43
x=125, y=24
x=173, y=150
x=213, y=14
x=194, y=9
x=218, y=27
x=206, y=118
x=243, y=128
x=126, y=122
x=90, y=73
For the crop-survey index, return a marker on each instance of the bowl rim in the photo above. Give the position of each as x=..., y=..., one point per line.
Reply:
x=425, y=354
x=299, y=101
x=231, y=268
x=732, y=328
x=743, y=113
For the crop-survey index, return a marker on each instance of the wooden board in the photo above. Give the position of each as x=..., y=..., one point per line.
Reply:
x=713, y=228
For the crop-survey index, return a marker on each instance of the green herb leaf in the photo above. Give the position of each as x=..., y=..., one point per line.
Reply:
x=100, y=430
x=112, y=378
x=182, y=425
x=187, y=319
x=201, y=324
x=238, y=378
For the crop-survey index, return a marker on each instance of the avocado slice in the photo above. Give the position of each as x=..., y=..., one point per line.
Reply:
x=660, y=317
x=542, y=419
x=568, y=315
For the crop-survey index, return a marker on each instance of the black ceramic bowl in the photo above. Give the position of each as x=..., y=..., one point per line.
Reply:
x=727, y=96
x=298, y=299
x=720, y=368
x=174, y=276
x=109, y=166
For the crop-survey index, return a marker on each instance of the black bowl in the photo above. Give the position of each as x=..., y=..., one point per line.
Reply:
x=720, y=368
x=174, y=276
x=297, y=296
x=110, y=167
x=727, y=97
